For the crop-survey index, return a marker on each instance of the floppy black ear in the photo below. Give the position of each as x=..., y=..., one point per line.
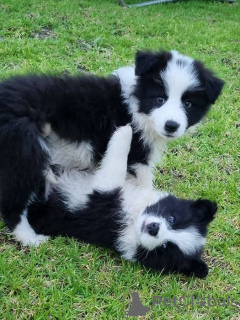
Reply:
x=212, y=84
x=214, y=87
x=147, y=61
x=205, y=209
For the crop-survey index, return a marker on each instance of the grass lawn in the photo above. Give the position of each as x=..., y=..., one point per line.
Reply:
x=66, y=279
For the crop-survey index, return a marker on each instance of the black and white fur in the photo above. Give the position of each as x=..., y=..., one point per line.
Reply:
x=155, y=228
x=65, y=122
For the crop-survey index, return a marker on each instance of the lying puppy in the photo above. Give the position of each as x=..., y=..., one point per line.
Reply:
x=66, y=122
x=155, y=228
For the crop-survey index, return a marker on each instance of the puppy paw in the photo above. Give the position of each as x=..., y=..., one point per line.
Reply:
x=123, y=133
x=200, y=269
x=121, y=139
x=25, y=234
x=40, y=238
x=32, y=240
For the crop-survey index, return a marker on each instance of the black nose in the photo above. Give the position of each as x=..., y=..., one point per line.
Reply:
x=171, y=126
x=153, y=228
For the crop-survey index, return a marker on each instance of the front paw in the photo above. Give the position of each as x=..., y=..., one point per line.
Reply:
x=123, y=135
x=200, y=269
x=120, y=142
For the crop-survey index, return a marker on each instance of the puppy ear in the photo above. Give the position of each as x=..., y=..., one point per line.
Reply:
x=214, y=87
x=205, y=209
x=147, y=61
x=212, y=84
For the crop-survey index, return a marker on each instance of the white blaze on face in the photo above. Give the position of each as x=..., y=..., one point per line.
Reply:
x=178, y=77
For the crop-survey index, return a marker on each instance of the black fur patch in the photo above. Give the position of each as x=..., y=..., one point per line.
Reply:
x=98, y=222
x=172, y=260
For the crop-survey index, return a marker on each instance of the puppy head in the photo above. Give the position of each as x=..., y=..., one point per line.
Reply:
x=175, y=91
x=173, y=232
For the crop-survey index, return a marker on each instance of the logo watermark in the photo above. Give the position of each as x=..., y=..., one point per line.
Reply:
x=137, y=308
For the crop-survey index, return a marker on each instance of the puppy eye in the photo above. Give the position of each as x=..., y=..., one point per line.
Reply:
x=187, y=104
x=171, y=220
x=161, y=100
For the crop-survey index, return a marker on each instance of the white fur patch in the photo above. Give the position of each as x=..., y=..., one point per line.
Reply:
x=43, y=145
x=69, y=154
x=144, y=175
x=127, y=79
x=75, y=186
x=25, y=234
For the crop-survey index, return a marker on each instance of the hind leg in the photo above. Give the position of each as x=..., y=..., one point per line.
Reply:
x=15, y=216
x=23, y=162
x=113, y=168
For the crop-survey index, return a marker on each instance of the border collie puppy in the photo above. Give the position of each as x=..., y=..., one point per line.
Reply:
x=157, y=229
x=66, y=122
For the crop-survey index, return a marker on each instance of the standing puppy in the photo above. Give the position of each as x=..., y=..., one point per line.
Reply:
x=66, y=122
x=157, y=229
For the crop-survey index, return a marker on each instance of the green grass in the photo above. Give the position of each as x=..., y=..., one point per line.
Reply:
x=66, y=279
